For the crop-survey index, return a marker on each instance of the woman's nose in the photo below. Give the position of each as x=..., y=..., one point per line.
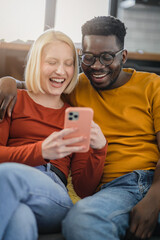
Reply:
x=60, y=69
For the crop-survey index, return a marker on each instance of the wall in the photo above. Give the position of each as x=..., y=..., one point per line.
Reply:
x=143, y=23
x=20, y=19
x=23, y=20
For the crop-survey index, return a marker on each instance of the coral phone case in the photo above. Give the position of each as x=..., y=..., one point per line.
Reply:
x=81, y=118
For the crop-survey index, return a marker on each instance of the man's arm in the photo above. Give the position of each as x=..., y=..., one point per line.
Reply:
x=8, y=94
x=144, y=216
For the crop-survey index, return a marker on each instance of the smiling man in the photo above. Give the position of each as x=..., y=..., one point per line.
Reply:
x=126, y=105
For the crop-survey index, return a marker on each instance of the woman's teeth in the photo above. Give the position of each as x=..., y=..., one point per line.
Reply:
x=57, y=80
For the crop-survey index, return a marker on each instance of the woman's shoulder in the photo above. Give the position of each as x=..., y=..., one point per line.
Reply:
x=21, y=93
x=22, y=97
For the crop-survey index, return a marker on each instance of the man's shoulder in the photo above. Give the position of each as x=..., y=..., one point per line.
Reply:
x=81, y=93
x=148, y=78
x=143, y=77
x=83, y=83
x=147, y=75
x=83, y=80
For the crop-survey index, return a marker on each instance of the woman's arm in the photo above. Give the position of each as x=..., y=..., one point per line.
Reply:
x=30, y=154
x=87, y=168
x=8, y=94
x=38, y=153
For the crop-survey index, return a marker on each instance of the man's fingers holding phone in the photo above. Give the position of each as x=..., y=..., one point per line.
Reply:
x=97, y=139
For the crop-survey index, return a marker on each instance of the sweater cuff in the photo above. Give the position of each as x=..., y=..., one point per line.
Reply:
x=39, y=153
x=101, y=150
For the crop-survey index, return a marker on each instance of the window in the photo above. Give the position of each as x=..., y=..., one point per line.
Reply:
x=72, y=14
x=25, y=20
x=21, y=19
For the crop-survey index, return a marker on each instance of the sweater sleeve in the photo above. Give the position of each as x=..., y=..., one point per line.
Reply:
x=29, y=154
x=87, y=170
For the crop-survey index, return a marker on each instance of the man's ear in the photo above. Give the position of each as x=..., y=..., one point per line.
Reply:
x=124, y=56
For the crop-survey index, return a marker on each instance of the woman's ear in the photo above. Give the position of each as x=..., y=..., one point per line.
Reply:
x=124, y=56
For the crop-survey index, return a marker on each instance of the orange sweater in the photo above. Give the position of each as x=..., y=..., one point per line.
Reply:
x=129, y=117
x=21, y=137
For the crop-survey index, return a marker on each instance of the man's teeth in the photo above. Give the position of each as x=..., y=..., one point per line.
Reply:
x=57, y=80
x=99, y=76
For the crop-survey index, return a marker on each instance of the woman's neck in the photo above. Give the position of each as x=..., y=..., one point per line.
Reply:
x=47, y=100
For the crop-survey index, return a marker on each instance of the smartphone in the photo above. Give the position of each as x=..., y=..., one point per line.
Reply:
x=80, y=118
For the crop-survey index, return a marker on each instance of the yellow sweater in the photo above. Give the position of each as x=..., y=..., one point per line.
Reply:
x=129, y=117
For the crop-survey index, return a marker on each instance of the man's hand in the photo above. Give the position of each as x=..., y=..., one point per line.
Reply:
x=143, y=219
x=97, y=139
x=8, y=96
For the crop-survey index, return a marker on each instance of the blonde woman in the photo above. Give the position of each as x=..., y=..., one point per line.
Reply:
x=35, y=159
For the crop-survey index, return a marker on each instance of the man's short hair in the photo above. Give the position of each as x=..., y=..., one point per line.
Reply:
x=105, y=26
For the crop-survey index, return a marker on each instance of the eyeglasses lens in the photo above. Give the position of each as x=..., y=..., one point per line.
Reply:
x=104, y=58
x=88, y=59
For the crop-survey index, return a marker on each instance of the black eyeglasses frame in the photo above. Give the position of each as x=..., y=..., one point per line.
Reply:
x=81, y=54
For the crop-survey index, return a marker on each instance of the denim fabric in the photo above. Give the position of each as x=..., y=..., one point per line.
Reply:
x=105, y=215
x=31, y=201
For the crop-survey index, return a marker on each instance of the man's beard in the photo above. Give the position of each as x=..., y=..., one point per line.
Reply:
x=108, y=87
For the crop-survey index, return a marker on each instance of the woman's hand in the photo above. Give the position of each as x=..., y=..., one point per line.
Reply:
x=8, y=96
x=55, y=146
x=97, y=139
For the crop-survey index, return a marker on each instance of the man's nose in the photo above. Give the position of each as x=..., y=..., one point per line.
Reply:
x=97, y=64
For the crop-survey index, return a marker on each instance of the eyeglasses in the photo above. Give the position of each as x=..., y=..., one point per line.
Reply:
x=105, y=58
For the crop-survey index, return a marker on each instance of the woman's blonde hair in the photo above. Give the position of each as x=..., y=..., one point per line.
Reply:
x=32, y=70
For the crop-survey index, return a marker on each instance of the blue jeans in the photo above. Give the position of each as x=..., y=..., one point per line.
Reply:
x=105, y=215
x=31, y=201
